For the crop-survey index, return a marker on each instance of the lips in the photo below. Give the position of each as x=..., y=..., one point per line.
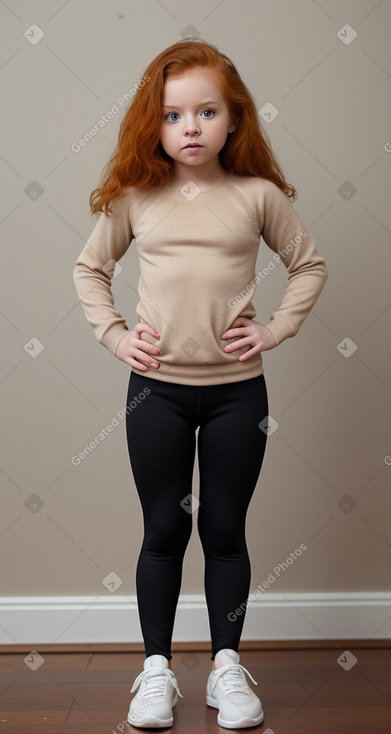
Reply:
x=193, y=145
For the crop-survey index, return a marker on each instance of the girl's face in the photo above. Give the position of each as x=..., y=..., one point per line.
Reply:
x=194, y=111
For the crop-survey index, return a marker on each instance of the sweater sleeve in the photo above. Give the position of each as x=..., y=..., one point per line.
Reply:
x=94, y=268
x=284, y=232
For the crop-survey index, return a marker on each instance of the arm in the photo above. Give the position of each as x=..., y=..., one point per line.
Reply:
x=285, y=233
x=93, y=273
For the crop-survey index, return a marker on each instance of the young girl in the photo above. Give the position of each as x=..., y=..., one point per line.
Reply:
x=195, y=183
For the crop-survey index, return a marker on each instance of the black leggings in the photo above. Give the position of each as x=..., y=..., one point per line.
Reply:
x=161, y=441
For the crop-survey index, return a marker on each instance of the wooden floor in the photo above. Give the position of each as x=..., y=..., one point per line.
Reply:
x=302, y=691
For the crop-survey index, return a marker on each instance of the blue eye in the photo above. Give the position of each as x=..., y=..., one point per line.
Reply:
x=169, y=115
x=176, y=113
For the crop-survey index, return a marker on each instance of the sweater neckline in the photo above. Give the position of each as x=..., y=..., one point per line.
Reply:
x=178, y=194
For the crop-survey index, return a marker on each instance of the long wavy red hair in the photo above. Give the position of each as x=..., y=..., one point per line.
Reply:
x=139, y=159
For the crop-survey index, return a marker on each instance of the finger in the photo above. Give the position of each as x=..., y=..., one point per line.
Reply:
x=241, y=321
x=145, y=327
x=148, y=347
x=144, y=357
x=236, y=345
x=249, y=354
x=236, y=323
x=232, y=332
x=138, y=365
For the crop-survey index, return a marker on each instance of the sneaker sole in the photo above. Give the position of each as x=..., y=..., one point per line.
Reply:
x=152, y=722
x=243, y=723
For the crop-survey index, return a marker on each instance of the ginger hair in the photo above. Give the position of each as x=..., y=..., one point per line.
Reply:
x=139, y=159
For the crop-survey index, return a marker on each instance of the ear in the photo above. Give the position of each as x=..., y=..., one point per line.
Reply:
x=232, y=127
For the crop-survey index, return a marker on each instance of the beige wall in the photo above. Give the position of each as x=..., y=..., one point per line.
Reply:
x=333, y=411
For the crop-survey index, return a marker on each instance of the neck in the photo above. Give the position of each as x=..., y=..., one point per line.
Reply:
x=211, y=175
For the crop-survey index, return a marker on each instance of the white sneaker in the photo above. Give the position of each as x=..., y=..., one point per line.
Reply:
x=228, y=691
x=152, y=705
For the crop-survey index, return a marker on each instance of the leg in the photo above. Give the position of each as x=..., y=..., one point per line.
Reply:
x=161, y=443
x=231, y=448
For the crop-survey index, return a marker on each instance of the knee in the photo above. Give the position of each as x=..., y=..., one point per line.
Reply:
x=167, y=533
x=221, y=537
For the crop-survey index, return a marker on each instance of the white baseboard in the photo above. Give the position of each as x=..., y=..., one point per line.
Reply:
x=114, y=618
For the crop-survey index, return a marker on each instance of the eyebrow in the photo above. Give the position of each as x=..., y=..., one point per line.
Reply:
x=209, y=101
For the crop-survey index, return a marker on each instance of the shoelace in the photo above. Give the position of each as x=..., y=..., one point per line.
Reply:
x=155, y=682
x=234, y=680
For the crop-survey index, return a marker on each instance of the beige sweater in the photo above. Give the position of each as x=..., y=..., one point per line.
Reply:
x=197, y=254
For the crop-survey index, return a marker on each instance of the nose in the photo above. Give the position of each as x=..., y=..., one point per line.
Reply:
x=191, y=125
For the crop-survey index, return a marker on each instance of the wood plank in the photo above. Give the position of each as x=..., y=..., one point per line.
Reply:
x=302, y=691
